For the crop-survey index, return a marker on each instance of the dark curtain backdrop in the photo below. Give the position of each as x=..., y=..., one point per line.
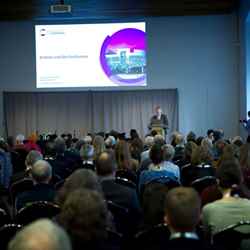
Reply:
x=84, y=112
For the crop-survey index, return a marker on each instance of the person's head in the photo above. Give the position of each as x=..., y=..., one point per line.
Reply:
x=153, y=203
x=136, y=148
x=229, y=174
x=156, y=154
x=149, y=141
x=182, y=209
x=230, y=152
x=60, y=145
x=133, y=134
x=245, y=156
x=201, y=155
x=87, y=152
x=189, y=149
x=168, y=152
x=122, y=155
x=159, y=139
x=10, y=141
x=110, y=142
x=210, y=134
x=39, y=235
x=41, y=172
x=158, y=110
x=99, y=145
x=81, y=178
x=84, y=216
x=19, y=139
x=191, y=136
x=87, y=139
x=105, y=164
x=180, y=140
x=238, y=141
x=32, y=157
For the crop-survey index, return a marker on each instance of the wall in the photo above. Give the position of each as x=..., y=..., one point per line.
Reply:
x=197, y=55
x=244, y=34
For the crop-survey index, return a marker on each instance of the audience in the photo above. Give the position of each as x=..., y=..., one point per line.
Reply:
x=40, y=235
x=125, y=188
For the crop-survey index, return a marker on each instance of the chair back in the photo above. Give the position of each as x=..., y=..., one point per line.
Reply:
x=230, y=238
x=127, y=174
x=7, y=232
x=4, y=218
x=125, y=182
x=36, y=210
x=121, y=216
x=202, y=183
x=154, y=238
x=20, y=186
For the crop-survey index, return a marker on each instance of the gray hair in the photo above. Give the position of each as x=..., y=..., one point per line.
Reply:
x=60, y=145
x=149, y=141
x=87, y=152
x=32, y=157
x=40, y=235
x=41, y=171
x=168, y=152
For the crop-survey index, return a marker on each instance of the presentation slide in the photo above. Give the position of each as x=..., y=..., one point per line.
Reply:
x=90, y=55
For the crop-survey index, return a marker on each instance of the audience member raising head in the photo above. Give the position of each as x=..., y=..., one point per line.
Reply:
x=40, y=235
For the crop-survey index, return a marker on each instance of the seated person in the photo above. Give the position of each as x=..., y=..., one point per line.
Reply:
x=153, y=205
x=41, y=174
x=84, y=216
x=87, y=156
x=229, y=209
x=158, y=169
x=37, y=236
x=200, y=166
x=182, y=215
x=119, y=194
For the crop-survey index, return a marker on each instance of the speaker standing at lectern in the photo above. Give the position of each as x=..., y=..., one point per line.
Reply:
x=159, y=122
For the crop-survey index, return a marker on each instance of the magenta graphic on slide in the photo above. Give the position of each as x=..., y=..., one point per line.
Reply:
x=123, y=57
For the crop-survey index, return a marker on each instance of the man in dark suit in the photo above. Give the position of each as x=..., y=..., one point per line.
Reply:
x=182, y=215
x=121, y=195
x=159, y=119
x=41, y=174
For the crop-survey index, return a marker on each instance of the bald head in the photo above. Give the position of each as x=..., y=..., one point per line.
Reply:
x=41, y=172
x=105, y=164
x=40, y=235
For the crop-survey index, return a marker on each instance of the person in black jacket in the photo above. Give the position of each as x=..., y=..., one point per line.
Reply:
x=41, y=173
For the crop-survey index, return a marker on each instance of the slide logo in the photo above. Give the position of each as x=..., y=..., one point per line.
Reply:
x=123, y=57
